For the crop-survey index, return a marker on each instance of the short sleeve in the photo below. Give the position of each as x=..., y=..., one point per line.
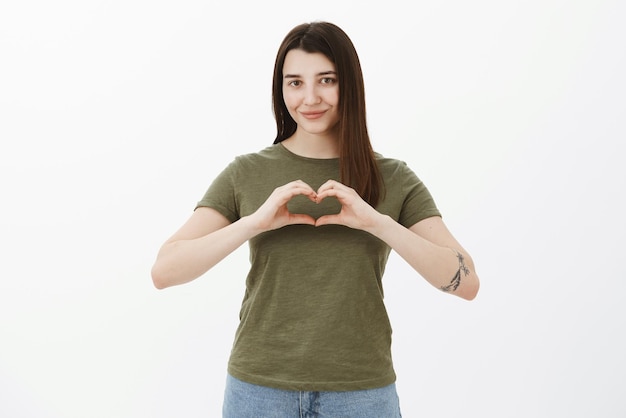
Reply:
x=418, y=202
x=221, y=194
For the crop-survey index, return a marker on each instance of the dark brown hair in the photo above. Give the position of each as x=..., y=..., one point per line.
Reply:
x=357, y=161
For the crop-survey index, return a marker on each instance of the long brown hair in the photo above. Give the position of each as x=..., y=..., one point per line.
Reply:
x=357, y=162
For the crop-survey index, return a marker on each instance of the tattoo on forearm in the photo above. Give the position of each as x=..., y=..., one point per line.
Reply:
x=456, y=280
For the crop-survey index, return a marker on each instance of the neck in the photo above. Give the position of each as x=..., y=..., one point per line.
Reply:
x=313, y=146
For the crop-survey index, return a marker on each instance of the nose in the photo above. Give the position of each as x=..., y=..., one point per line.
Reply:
x=311, y=96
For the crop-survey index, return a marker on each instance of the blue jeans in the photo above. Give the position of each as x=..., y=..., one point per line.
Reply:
x=246, y=400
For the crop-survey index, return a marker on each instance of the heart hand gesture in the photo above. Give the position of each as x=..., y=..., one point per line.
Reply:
x=274, y=214
x=355, y=212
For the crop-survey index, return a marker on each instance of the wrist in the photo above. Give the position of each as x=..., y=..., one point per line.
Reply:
x=380, y=224
x=251, y=226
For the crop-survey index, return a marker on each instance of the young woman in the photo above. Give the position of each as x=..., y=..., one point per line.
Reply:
x=321, y=212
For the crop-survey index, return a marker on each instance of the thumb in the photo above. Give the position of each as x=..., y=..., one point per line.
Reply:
x=301, y=219
x=327, y=220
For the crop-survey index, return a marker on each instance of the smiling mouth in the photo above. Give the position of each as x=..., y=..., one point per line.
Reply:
x=312, y=115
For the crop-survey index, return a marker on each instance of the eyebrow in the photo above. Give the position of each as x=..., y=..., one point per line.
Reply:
x=318, y=74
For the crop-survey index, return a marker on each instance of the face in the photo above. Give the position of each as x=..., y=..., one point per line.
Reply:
x=311, y=91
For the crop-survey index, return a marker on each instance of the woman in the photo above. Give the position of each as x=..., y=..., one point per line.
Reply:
x=321, y=212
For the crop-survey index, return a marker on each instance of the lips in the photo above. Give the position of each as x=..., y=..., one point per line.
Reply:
x=313, y=115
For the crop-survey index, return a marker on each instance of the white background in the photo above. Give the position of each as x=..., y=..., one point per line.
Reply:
x=116, y=115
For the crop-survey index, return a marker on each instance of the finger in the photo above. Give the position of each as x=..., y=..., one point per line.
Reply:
x=308, y=192
x=299, y=181
x=293, y=189
x=301, y=219
x=301, y=184
x=328, y=220
x=330, y=185
x=335, y=188
x=339, y=194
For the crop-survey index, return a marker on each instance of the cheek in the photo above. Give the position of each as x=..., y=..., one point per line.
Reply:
x=332, y=97
x=291, y=105
x=290, y=100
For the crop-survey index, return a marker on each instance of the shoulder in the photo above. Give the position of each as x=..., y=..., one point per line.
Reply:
x=392, y=166
x=267, y=154
x=398, y=175
x=253, y=160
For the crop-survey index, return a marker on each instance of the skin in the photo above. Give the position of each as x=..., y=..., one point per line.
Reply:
x=311, y=94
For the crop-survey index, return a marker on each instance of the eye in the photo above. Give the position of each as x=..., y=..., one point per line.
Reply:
x=328, y=80
x=294, y=83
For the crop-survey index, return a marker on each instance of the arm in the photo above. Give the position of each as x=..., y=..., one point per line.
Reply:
x=427, y=246
x=208, y=237
x=204, y=240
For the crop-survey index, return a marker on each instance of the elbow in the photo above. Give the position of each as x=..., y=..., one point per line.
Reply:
x=471, y=284
x=472, y=291
x=470, y=288
x=159, y=278
x=465, y=283
x=165, y=275
x=158, y=285
x=158, y=282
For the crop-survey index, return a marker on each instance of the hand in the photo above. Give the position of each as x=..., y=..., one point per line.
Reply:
x=273, y=213
x=355, y=212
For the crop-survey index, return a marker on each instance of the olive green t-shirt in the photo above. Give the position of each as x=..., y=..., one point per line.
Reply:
x=313, y=316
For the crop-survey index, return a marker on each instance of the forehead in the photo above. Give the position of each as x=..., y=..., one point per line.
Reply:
x=300, y=62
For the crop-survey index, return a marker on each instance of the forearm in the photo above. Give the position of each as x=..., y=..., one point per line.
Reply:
x=447, y=268
x=182, y=261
